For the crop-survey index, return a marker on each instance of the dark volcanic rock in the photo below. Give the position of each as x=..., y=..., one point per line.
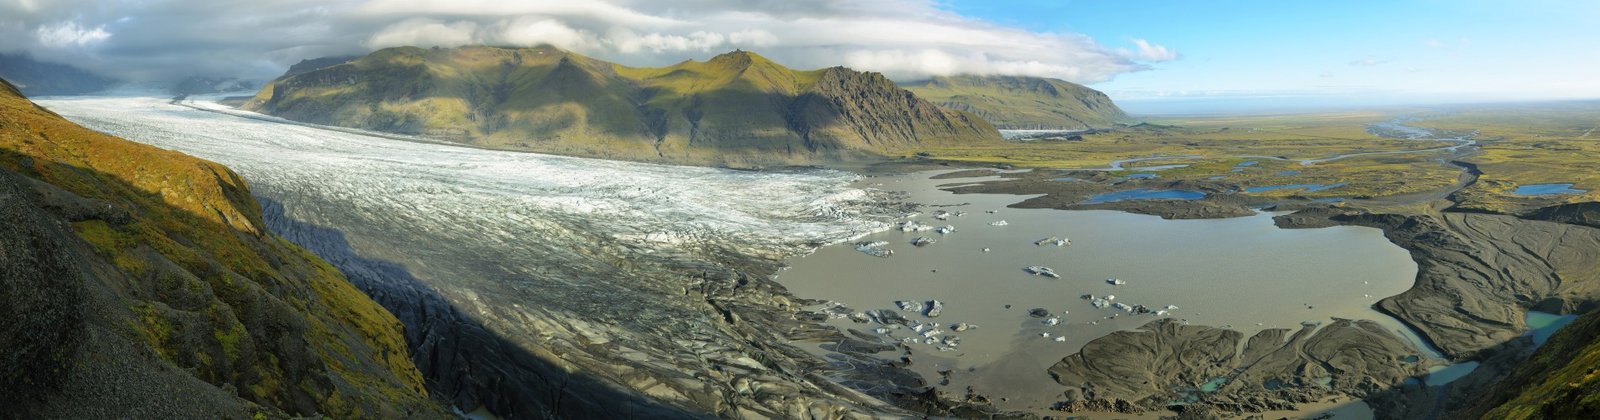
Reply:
x=1168, y=361
x=42, y=292
x=1479, y=274
x=1584, y=214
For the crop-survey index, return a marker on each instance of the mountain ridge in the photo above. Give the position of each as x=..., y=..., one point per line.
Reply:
x=38, y=78
x=1023, y=102
x=736, y=109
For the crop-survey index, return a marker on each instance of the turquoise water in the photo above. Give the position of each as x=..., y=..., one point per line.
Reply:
x=1307, y=187
x=1273, y=385
x=1542, y=325
x=1289, y=173
x=1143, y=176
x=1214, y=384
x=1146, y=194
x=1440, y=375
x=1545, y=189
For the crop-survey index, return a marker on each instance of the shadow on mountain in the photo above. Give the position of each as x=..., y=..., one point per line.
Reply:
x=119, y=304
x=463, y=362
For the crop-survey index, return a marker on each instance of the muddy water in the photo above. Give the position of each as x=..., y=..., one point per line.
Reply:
x=1242, y=273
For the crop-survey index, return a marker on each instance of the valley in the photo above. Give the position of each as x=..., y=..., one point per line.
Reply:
x=828, y=210
x=751, y=302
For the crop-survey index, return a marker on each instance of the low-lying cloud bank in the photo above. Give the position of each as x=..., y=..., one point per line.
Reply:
x=905, y=39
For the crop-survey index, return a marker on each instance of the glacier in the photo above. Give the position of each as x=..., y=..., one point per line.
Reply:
x=611, y=265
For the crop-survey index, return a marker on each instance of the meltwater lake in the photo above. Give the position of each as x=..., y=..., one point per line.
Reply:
x=1241, y=273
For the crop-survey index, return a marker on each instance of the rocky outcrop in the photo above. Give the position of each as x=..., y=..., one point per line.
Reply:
x=1582, y=214
x=850, y=109
x=1023, y=103
x=737, y=109
x=314, y=64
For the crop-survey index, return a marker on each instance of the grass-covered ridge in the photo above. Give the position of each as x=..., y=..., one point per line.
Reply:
x=737, y=109
x=200, y=284
x=1020, y=102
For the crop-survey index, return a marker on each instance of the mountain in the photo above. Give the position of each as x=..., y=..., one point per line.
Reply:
x=137, y=282
x=40, y=78
x=314, y=64
x=1022, y=103
x=737, y=109
x=198, y=85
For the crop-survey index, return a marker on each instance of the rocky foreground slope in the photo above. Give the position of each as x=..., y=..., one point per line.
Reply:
x=1022, y=103
x=137, y=282
x=737, y=109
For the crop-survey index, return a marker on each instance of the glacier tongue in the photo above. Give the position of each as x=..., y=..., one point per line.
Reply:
x=557, y=254
x=457, y=190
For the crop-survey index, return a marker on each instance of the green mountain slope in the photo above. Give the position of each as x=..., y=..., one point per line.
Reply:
x=1560, y=381
x=737, y=109
x=1017, y=102
x=138, y=283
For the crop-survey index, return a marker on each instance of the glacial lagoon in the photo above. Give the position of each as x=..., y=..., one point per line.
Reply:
x=1243, y=273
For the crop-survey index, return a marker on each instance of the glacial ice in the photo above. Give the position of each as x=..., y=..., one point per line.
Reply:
x=563, y=232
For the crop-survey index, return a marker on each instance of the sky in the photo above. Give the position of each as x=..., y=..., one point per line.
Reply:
x=1148, y=53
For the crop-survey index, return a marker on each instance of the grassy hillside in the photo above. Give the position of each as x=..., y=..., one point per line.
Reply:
x=1018, y=102
x=1560, y=381
x=186, y=307
x=737, y=109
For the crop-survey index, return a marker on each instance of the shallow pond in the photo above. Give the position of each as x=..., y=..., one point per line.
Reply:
x=1441, y=375
x=1545, y=189
x=1145, y=194
x=1542, y=325
x=1244, y=273
x=1306, y=187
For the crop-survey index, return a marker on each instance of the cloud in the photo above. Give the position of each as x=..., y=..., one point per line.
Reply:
x=1432, y=43
x=1153, y=52
x=422, y=32
x=905, y=39
x=69, y=34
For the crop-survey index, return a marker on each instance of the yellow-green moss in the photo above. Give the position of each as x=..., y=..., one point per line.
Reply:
x=155, y=328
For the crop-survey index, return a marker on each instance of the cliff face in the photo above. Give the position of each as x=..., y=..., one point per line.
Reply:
x=142, y=285
x=737, y=109
x=1017, y=102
